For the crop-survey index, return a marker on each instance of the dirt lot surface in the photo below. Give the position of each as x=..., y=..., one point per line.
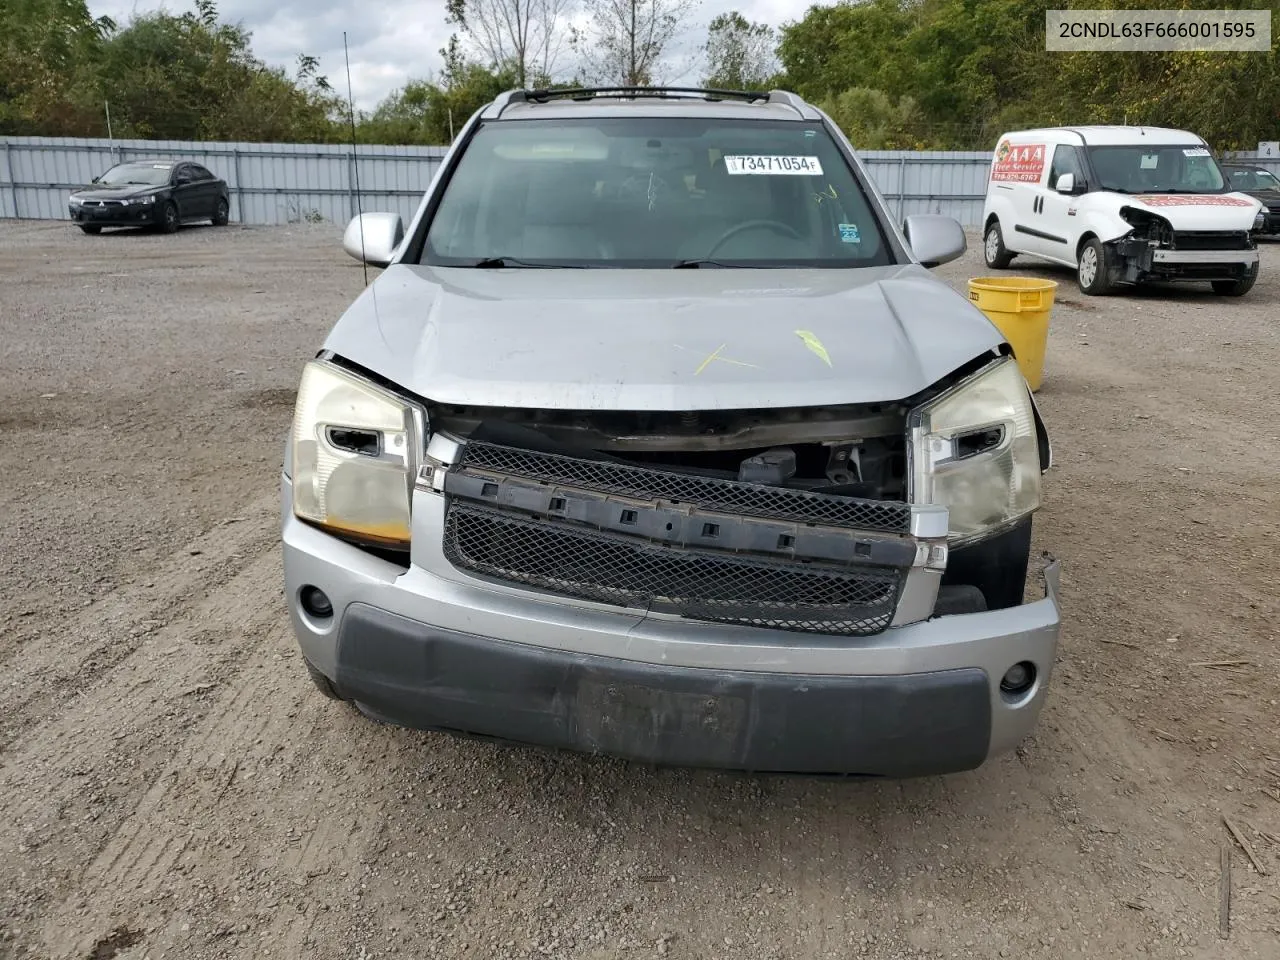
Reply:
x=171, y=785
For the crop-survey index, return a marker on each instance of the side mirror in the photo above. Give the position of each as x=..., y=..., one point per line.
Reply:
x=935, y=239
x=374, y=237
x=1066, y=183
x=94, y=180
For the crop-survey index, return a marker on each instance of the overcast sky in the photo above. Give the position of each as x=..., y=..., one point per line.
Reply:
x=393, y=41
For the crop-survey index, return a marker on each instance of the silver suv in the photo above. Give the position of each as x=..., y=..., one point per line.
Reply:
x=656, y=438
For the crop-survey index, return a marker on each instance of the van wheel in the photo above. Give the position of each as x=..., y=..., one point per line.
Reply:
x=1095, y=269
x=993, y=248
x=1236, y=288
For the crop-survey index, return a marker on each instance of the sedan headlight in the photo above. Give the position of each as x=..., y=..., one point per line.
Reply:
x=149, y=198
x=975, y=451
x=73, y=200
x=356, y=448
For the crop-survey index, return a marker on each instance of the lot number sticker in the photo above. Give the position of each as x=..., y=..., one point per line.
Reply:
x=774, y=166
x=1195, y=152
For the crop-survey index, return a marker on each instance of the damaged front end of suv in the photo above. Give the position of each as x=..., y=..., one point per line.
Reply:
x=562, y=490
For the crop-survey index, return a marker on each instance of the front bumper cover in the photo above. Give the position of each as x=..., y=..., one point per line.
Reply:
x=427, y=646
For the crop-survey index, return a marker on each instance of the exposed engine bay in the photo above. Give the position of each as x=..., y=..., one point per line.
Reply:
x=1153, y=248
x=850, y=451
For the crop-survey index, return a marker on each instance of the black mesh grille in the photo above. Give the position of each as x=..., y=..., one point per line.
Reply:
x=702, y=584
x=751, y=499
x=1211, y=240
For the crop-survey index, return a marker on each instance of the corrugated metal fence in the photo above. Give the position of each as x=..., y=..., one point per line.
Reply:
x=269, y=182
x=288, y=183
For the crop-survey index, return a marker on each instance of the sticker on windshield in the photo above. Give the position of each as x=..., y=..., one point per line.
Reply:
x=774, y=165
x=1150, y=161
x=1195, y=152
x=849, y=233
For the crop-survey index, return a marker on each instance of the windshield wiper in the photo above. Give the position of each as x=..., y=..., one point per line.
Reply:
x=491, y=262
x=702, y=262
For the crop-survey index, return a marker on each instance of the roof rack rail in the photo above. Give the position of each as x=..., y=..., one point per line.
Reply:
x=793, y=101
x=704, y=93
x=503, y=100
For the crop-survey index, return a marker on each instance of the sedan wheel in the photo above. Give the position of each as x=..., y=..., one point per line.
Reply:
x=221, y=214
x=169, y=221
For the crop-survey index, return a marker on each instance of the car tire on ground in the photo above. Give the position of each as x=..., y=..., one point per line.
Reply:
x=1095, y=270
x=169, y=218
x=221, y=214
x=323, y=684
x=993, y=248
x=1236, y=288
x=90, y=228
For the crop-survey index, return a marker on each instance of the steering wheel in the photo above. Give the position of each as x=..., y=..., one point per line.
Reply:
x=752, y=225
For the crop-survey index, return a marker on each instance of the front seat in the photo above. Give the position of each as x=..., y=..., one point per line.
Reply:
x=560, y=217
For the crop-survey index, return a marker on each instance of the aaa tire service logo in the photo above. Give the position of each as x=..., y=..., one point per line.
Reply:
x=1172, y=200
x=1019, y=163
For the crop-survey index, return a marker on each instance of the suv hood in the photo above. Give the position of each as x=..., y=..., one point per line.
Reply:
x=661, y=339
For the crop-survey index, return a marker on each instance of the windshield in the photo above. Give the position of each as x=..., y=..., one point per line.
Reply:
x=1252, y=180
x=654, y=192
x=151, y=174
x=1156, y=169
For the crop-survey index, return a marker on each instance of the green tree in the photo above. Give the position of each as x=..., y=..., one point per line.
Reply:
x=873, y=121
x=625, y=40
x=48, y=58
x=740, y=54
x=431, y=112
x=523, y=37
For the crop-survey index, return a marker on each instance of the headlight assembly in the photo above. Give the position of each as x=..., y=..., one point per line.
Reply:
x=356, y=449
x=975, y=451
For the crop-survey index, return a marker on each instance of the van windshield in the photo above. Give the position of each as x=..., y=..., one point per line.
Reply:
x=1180, y=168
x=654, y=192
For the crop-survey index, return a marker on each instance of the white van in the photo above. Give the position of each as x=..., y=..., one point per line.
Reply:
x=1120, y=204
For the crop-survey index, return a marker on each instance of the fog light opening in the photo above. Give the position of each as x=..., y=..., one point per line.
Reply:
x=315, y=602
x=1018, y=679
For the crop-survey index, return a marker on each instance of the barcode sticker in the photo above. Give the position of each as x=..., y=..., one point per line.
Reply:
x=774, y=165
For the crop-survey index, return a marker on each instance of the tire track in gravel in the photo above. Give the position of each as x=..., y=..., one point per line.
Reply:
x=69, y=784
x=82, y=651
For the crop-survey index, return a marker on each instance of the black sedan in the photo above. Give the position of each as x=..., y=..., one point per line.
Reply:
x=150, y=193
x=1262, y=185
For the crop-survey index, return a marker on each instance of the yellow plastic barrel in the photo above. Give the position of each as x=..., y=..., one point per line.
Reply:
x=1020, y=308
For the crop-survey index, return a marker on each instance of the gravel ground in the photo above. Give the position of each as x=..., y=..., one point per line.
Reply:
x=172, y=786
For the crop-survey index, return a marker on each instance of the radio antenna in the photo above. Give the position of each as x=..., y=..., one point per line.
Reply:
x=355, y=164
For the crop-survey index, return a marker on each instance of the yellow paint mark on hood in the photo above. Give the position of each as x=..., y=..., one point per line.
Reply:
x=813, y=343
x=715, y=355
